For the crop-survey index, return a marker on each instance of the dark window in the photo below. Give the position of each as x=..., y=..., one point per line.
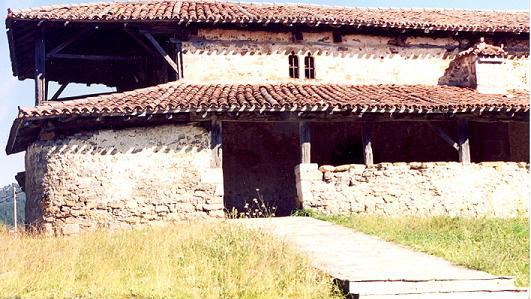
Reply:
x=297, y=36
x=338, y=38
x=293, y=65
x=309, y=67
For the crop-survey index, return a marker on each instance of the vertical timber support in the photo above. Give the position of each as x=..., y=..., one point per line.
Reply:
x=40, y=68
x=464, y=142
x=216, y=161
x=305, y=172
x=214, y=175
x=179, y=59
x=367, y=144
x=304, y=137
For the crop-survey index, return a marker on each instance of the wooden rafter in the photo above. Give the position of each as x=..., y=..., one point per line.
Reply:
x=67, y=43
x=59, y=91
x=161, y=51
x=140, y=42
x=444, y=136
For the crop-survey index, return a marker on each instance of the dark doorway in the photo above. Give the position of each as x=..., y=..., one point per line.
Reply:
x=259, y=160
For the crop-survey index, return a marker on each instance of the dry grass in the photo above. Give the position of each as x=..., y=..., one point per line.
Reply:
x=199, y=260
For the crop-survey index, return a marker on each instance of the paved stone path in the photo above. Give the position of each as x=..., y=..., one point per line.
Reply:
x=370, y=267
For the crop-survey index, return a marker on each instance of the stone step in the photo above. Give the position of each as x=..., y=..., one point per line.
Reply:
x=508, y=294
x=394, y=287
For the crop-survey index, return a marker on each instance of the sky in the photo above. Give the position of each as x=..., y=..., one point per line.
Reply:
x=14, y=93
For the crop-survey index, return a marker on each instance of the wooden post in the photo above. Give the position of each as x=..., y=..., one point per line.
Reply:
x=304, y=137
x=40, y=69
x=216, y=141
x=15, y=220
x=464, y=142
x=179, y=58
x=367, y=146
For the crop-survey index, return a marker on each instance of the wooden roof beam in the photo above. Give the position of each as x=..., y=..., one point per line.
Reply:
x=161, y=51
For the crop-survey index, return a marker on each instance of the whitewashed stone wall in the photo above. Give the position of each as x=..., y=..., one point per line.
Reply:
x=499, y=189
x=230, y=56
x=122, y=179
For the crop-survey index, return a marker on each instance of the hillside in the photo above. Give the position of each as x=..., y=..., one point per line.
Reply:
x=6, y=204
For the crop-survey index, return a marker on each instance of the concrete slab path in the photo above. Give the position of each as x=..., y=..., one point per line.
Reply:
x=373, y=268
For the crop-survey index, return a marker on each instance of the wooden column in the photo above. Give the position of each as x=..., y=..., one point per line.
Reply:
x=464, y=141
x=215, y=144
x=304, y=137
x=40, y=69
x=179, y=58
x=367, y=146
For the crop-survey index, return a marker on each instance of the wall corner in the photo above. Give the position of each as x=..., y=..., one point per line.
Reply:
x=305, y=174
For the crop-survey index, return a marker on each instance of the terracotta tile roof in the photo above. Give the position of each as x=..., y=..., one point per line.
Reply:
x=231, y=12
x=177, y=97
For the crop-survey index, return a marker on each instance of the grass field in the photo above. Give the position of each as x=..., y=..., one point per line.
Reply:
x=497, y=246
x=208, y=260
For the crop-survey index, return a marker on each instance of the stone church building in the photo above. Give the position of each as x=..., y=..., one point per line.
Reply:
x=335, y=109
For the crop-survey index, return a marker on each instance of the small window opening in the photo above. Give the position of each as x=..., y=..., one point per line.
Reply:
x=297, y=36
x=338, y=37
x=293, y=65
x=309, y=67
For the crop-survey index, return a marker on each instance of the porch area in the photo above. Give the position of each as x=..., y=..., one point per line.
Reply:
x=452, y=167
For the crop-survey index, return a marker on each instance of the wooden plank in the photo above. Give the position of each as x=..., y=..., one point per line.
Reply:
x=444, y=136
x=367, y=144
x=161, y=51
x=216, y=142
x=305, y=142
x=464, y=141
x=59, y=91
x=40, y=69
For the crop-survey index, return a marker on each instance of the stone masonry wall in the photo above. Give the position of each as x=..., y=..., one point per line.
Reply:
x=122, y=178
x=229, y=56
x=499, y=189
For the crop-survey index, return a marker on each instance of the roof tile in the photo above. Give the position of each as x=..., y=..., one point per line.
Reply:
x=212, y=11
x=178, y=95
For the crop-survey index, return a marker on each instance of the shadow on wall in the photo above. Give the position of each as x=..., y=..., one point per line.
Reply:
x=161, y=139
x=336, y=51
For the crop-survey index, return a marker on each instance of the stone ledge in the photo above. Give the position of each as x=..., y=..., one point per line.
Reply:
x=421, y=165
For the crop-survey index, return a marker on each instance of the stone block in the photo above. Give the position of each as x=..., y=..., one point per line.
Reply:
x=116, y=205
x=161, y=209
x=327, y=168
x=184, y=207
x=217, y=214
x=212, y=207
x=102, y=206
x=342, y=168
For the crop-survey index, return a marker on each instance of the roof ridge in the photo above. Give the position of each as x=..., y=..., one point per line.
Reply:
x=43, y=7
x=210, y=12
